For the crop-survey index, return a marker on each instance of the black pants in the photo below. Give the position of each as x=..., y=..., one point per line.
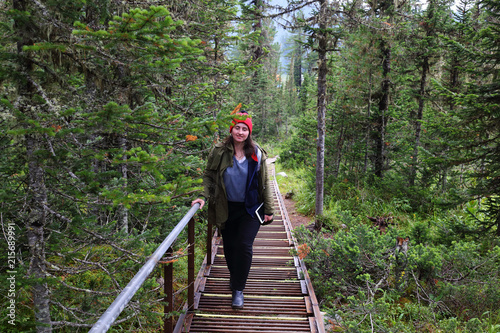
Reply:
x=238, y=236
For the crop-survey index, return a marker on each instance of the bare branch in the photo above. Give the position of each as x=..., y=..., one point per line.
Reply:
x=67, y=220
x=72, y=324
x=112, y=244
x=82, y=289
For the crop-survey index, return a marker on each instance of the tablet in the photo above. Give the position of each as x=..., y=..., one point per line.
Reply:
x=258, y=214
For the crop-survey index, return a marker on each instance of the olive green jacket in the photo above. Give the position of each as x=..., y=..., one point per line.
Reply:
x=219, y=159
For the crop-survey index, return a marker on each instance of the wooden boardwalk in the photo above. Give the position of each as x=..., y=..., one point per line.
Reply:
x=278, y=297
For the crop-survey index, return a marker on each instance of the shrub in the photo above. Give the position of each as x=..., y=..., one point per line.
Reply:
x=469, y=281
x=347, y=261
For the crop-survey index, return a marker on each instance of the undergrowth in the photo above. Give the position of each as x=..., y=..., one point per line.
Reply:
x=445, y=280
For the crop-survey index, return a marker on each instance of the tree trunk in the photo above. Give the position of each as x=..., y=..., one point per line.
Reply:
x=383, y=106
x=124, y=213
x=259, y=50
x=320, y=144
x=36, y=191
x=421, y=98
x=368, y=128
x=35, y=233
x=418, y=120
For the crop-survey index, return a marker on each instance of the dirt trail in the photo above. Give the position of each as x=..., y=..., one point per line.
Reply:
x=296, y=218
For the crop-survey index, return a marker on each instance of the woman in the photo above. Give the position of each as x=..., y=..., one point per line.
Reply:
x=236, y=185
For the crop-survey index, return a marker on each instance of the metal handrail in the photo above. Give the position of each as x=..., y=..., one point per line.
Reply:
x=114, y=310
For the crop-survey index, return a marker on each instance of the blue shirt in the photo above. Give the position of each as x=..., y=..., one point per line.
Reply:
x=235, y=180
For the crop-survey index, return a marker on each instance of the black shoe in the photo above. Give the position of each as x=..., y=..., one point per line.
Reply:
x=237, y=299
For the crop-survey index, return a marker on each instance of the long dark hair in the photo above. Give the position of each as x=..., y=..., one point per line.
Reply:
x=248, y=147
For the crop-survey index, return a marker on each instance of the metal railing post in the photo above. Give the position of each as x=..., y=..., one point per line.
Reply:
x=191, y=264
x=168, y=289
x=209, y=243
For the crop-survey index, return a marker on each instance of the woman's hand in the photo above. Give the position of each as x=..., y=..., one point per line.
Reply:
x=268, y=218
x=200, y=201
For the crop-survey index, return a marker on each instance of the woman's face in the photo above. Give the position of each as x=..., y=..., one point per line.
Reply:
x=240, y=132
